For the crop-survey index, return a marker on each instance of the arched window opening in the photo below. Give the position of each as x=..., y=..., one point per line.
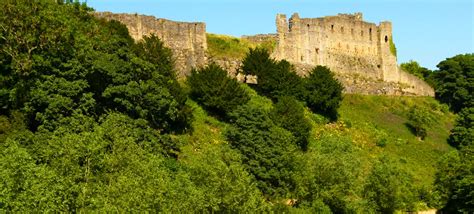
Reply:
x=332, y=28
x=342, y=29
x=386, y=39
x=317, y=50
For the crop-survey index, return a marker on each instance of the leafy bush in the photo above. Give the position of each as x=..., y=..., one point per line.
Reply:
x=288, y=113
x=215, y=90
x=419, y=119
x=323, y=92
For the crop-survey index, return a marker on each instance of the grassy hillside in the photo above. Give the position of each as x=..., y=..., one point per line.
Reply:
x=376, y=125
x=225, y=47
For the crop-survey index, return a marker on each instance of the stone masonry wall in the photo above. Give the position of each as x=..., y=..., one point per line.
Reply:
x=357, y=51
x=187, y=40
x=347, y=45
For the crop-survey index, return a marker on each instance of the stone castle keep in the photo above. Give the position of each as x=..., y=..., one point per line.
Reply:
x=357, y=51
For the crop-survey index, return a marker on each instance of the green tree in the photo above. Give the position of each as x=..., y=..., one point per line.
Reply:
x=454, y=181
x=388, y=188
x=323, y=92
x=58, y=61
x=463, y=132
x=257, y=62
x=275, y=78
x=330, y=173
x=266, y=149
x=288, y=113
x=215, y=90
x=455, y=81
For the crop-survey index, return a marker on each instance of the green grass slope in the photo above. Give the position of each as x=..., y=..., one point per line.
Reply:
x=228, y=47
x=376, y=125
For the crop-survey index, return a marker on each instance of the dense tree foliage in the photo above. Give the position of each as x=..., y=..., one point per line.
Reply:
x=455, y=81
x=455, y=181
x=389, y=188
x=323, y=92
x=266, y=149
x=58, y=61
x=288, y=113
x=93, y=121
x=215, y=90
x=463, y=132
x=275, y=78
x=330, y=172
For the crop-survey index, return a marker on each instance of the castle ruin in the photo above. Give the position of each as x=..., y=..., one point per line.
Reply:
x=347, y=45
x=187, y=40
x=357, y=51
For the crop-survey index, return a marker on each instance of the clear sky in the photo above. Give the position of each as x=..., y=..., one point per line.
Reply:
x=427, y=31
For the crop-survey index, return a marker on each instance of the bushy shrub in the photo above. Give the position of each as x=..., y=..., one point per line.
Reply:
x=419, y=119
x=288, y=113
x=323, y=92
x=215, y=90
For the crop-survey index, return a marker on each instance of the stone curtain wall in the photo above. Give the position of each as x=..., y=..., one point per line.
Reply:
x=358, y=51
x=187, y=40
x=347, y=45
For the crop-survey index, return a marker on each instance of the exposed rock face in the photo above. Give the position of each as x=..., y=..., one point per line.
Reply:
x=347, y=45
x=187, y=40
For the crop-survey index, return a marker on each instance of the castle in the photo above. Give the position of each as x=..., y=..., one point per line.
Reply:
x=361, y=54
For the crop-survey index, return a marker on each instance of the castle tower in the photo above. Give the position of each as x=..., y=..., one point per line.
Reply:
x=282, y=28
x=388, y=60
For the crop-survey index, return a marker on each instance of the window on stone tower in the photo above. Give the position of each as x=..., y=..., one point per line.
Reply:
x=370, y=34
x=362, y=33
x=317, y=50
x=352, y=31
x=386, y=38
x=342, y=29
x=332, y=28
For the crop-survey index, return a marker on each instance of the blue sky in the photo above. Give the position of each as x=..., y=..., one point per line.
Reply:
x=427, y=31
